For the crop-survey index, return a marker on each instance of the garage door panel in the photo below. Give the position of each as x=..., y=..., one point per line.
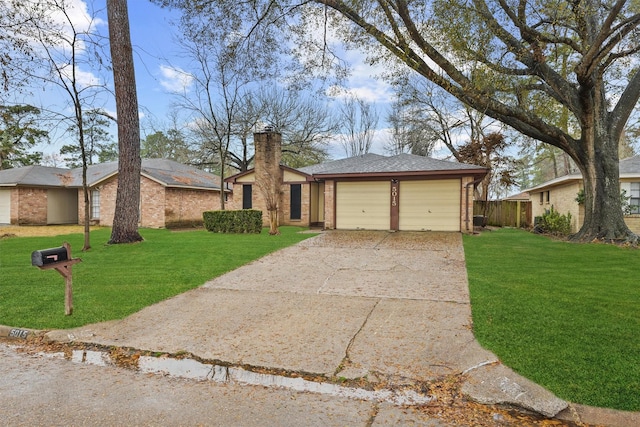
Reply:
x=363, y=205
x=430, y=205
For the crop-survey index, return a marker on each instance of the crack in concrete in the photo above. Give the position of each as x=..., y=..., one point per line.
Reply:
x=346, y=360
x=374, y=414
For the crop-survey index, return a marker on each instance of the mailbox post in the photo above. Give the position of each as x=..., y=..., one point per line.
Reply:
x=60, y=260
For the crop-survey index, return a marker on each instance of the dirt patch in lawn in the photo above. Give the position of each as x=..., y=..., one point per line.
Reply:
x=7, y=231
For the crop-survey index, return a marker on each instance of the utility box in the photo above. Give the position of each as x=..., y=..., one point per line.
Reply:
x=49, y=256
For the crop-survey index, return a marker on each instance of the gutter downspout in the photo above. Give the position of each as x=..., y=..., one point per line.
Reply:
x=466, y=200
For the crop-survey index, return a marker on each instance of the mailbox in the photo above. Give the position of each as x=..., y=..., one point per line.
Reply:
x=48, y=256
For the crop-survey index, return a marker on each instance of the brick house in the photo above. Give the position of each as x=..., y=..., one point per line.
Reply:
x=561, y=193
x=373, y=192
x=171, y=194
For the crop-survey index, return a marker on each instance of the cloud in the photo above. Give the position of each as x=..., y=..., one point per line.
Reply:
x=174, y=79
x=364, y=81
x=86, y=78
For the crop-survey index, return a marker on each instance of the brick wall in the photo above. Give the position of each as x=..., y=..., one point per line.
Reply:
x=466, y=204
x=285, y=203
x=633, y=222
x=185, y=207
x=153, y=203
x=563, y=200
x=329, y=205
x=29, y=206
x=235, y=203
x=108, y=191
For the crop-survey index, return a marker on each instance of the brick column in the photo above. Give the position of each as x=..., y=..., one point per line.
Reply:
x=268, y=179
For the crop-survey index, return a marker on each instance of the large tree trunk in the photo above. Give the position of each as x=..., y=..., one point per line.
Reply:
x=126, y=218
x=603, y=215
x=599, y=164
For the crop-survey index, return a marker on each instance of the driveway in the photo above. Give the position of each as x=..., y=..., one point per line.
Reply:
x=383, y=306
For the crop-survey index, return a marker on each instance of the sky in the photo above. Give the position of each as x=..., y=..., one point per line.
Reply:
x=156, y=57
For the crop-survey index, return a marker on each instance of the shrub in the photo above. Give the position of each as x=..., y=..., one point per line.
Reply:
x=552, y=222
x=242, y=221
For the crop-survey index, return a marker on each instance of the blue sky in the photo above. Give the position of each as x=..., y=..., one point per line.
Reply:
x=155, y=53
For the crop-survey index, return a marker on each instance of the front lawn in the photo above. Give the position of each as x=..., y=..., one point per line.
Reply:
x=564, y=315
x=114, y=281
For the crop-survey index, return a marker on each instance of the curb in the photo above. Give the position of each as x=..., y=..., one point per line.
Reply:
x=561, y=410
x=17, y=333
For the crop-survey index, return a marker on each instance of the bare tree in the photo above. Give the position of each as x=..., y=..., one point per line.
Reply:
x=410, y=132
x=306, y=124
x=359, y=120
x=127, y=212
x=219, y=82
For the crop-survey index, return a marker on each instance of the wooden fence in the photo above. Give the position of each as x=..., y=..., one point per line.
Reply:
x=505, y=213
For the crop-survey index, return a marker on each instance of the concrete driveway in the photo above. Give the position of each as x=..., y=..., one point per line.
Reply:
x=383, y=306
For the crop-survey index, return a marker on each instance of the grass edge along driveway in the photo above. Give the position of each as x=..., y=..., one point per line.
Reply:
x=114, y=281
x=564, y=315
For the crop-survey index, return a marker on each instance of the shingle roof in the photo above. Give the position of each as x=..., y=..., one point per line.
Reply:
x=628, y=168
x=167, y=172
x=174, y=174
x=630, y=165
x=40, y=176
x=347, y=163
x=373, y=163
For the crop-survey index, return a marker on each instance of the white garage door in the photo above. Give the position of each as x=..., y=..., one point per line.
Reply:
x=363, y=205
x=430, y=205
x=5, y=206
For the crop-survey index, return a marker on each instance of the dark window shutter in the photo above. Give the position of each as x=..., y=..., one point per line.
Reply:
x=296, y=201
x=246, y=196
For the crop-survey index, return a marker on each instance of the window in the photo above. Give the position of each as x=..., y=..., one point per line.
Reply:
x=246, y=196
x=541, y=197
x=634, y=200
x=296, y=201
x=547, y=197
x=95, y=204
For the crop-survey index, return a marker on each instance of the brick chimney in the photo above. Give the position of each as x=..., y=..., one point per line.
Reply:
x=268, y=152
x=268, y=178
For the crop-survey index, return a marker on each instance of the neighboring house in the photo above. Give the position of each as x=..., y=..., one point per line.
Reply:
x=372, y=192
x=171, y=194
x=561, y=193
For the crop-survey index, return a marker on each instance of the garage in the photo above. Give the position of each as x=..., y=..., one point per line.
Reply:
x=5, y=206
x=363, y=205
x=429, y=205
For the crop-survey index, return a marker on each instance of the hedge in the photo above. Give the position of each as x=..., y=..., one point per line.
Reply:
x=242, y=221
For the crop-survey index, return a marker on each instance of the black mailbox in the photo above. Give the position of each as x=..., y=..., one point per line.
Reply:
x=48, y=256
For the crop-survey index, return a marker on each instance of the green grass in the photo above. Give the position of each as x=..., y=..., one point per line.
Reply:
x=566, y=316
x=114, y=281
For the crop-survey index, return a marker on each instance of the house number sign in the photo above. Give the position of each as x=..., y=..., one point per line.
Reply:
x=18, y=333
x=394, y=194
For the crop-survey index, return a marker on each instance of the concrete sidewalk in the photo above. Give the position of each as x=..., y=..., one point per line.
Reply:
x=390, y=307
